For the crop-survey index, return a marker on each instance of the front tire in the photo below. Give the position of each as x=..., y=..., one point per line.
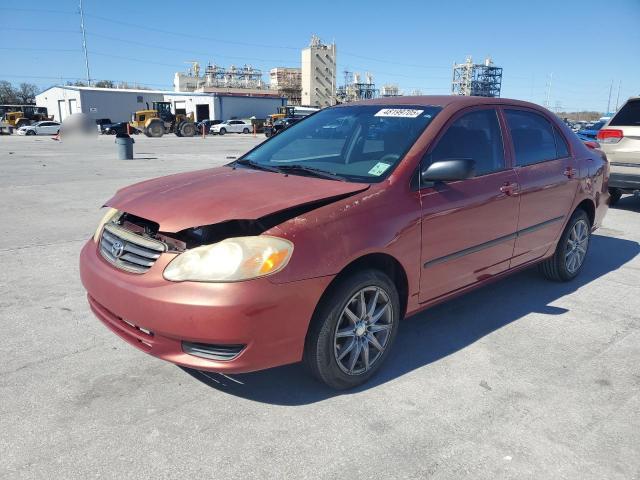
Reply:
x=30, y=132
x=571, y=251
x=222, y=131
x=353, y=329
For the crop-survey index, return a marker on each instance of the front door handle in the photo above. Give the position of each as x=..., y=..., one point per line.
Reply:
x=510, y=189
x=570, y=172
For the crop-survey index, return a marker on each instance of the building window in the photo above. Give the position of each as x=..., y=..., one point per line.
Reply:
x=139, y=99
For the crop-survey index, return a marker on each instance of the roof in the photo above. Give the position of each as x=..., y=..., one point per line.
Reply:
x=161, y=92
x=459, y=101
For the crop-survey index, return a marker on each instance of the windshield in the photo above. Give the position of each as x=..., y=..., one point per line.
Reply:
x=356, y=143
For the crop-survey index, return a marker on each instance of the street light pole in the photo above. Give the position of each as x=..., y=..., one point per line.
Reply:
x=84, y=44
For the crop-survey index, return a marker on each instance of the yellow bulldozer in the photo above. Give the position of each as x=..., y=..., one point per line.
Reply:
x=156, y=121
x=15, y=116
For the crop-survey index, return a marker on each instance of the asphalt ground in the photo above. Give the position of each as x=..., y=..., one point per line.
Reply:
x=521, y=379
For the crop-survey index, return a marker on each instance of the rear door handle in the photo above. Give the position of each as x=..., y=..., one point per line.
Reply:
x=510, y=189
x=570, y=172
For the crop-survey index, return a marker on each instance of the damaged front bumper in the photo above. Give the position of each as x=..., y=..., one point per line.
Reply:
x=257, y=323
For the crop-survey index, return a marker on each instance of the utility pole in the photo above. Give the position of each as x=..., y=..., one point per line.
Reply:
x=84, y=44
x=609, y=101
x=618, y=97
x=546, y=102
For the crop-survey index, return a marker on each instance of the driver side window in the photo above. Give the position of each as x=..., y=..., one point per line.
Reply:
x=476, y=136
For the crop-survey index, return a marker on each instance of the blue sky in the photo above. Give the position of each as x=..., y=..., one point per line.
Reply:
x=584, y=45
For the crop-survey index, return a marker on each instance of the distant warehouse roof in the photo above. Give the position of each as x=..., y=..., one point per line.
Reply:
x=211, y=91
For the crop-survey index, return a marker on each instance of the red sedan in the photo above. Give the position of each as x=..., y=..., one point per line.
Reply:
x=316, y=243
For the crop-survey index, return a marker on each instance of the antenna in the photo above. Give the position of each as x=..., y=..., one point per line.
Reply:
x=84, y=44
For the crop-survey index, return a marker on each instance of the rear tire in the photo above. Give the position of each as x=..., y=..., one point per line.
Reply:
x=571, y=250
x=615, y=194
x=245, y=131
x=348, y=339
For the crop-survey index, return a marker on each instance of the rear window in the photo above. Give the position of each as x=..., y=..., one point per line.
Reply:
x=629, y=114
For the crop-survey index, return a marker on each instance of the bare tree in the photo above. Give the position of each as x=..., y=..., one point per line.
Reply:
x=7, y=93
x=104, y=84
x=26, y=93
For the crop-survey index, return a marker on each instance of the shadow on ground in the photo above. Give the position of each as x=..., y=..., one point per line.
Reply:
x=440, y=331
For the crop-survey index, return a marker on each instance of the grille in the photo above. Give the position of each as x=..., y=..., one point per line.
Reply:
x=129, y=251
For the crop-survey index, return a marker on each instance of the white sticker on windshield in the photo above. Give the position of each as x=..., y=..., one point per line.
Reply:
x=399, y=112
x=379, y=168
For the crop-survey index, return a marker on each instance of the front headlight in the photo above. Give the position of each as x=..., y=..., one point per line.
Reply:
x=231, y=260
x=110, y=215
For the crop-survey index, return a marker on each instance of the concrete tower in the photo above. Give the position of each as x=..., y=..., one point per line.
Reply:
x=318, y=74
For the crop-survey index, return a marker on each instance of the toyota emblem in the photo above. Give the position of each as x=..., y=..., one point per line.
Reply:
x=117, y=249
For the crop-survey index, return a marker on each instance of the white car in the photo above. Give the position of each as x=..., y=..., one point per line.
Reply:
x=40, y=128
x=231, y=126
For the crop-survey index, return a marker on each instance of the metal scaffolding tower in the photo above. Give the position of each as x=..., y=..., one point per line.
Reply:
x=480, y=80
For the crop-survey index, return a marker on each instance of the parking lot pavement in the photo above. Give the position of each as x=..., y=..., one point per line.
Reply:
x=522, y=379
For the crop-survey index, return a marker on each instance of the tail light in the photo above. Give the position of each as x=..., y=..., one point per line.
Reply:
x=608, y=135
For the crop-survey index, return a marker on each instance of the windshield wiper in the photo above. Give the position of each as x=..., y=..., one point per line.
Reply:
x=256, y=165
x=316, y=172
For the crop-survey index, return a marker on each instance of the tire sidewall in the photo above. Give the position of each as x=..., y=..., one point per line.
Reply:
x=329, y=315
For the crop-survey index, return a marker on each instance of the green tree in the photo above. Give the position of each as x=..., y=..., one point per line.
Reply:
x=26, y=93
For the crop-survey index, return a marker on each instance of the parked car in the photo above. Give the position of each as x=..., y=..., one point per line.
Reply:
x=101, y=123
x=278, y=126
x=40, y=128
x=206, y=124
x=591, y=131
x=231, y=126
x=314, y=248
x=120, y=127
x=620, y=140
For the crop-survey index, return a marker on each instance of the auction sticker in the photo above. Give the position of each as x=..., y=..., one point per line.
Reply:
x=399, y=112
x=379, y=168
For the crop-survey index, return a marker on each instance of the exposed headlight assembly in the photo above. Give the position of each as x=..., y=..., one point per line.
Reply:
x=231, y=260
x=111, y=214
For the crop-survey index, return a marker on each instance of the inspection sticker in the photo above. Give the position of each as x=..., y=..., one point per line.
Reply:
x=399, y=112
x=379, y=168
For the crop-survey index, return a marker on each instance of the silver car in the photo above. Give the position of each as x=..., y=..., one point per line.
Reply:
x=620, y=140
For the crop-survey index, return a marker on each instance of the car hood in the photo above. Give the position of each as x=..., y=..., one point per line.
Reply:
x=205, y=197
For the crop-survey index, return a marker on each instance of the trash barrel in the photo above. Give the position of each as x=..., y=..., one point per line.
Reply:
x=125, y=146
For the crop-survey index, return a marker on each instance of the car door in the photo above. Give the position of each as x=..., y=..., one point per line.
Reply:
x=468, y=226
x=234, y=126
x=547, y=175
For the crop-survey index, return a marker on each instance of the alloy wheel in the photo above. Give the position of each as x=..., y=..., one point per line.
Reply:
x=577, y=244
x=363, y=330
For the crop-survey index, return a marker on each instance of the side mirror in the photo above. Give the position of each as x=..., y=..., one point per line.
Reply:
x=449, y=170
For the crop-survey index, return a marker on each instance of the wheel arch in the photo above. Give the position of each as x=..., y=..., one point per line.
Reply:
x=383, y=262
x=589, y=207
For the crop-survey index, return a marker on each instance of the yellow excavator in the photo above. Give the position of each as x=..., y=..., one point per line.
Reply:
x=156, y=121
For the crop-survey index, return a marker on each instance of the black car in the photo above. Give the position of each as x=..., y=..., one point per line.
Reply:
x=102, y=123
x=206, y=124
x=120, y=127
x=278, y=126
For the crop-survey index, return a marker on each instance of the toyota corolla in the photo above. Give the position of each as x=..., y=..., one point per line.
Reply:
x=316, y=244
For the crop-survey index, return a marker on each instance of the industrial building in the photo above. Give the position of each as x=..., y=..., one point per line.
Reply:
x=119, y=104
x=287, y=81
x=318, y=74
x=480, y=80
x=355, y=88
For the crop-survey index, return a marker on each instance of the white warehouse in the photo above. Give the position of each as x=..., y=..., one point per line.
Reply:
x=118, y=104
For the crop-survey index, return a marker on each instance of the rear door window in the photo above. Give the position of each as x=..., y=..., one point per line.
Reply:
x=476, y=136
x=628, y=115
x=533, y=137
